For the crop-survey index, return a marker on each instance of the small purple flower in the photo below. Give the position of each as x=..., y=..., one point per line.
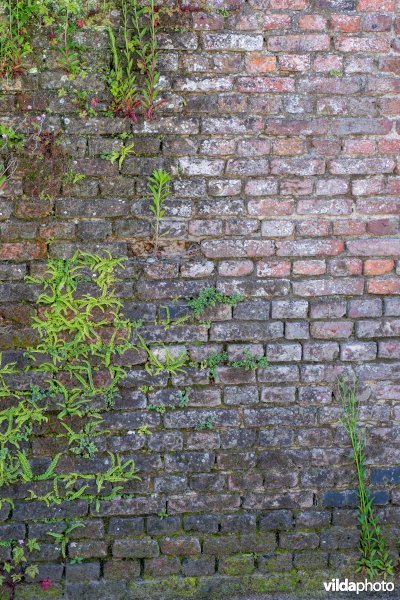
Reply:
x=29, y=107
x=21, y=542
x=4, y=136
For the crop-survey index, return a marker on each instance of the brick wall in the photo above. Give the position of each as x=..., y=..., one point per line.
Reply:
x=280, y=124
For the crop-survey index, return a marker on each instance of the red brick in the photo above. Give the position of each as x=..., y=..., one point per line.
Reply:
x=326, y=330
x=390, y=106
x=383, y=85
x=310, y=247
x=289, y=147
x=257, y=85
x=389, y=146
x=287, y=4
x=327, y=147
x=389, y=349
x=309, y=267
x=345, y=23
x=296, y=187
x=383, y=286
x=362, y=44
x=326, y=63
x=297, y=166
x=273, y=269
x=376, y=5
x=276, y=21
x=180, y=546
x=332, y=106
x=343, y=267
x=244, y=22
x=253, y=147
x=299, y=43
x=329, y=287
x=261, y=187
x=393, y=185
x=260, y=63
x=361, y=166
x=312, y=22
x=360, y=147
x=367, y=187
x=313, y=228
x=235, y=268
x=23, y=251
x=296, y=126
x=294, y=62
x=376, y=23
x=270, y=208
x=329, y=85
x=374, y=247
x=378, y=267
x=237, y=248
x=381, y=206
x=331, y=187
x=207, y=22
x=321, y=206
x=203, y=227
x=349, y=227
x=383, y=226
x=232, y=41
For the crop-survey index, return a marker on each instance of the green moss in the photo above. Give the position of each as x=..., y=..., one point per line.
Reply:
x=224, y=586
x=172, y=587
x=237, y=564
x=35, y=592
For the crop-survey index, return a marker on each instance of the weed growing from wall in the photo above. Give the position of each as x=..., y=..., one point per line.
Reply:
x=16, y=18
x=81, y=330
x=374, y=560
x=133, y=78
x=81, y=333
x=18, y=567
x=159, y=186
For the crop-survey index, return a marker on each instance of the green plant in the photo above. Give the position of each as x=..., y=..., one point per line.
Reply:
x=122, y=76
x=144, y=430
x=159, y=190
x=208, y=423
x=138, y=55
x=70, y=177
x=85, y=104
x=209, y=297
x=16, y=569
x=15, y=21
x=250, y=362
x=12, y=141
x=146, y=20
x=213, y=361
x=374, y=560
x=159, y=408
x=163, y=513
x=335, y=73
x=63, y=538
x=79, y=336
x=171, y=364
x=64, y=15
x=184, y=397
x=119, y=155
